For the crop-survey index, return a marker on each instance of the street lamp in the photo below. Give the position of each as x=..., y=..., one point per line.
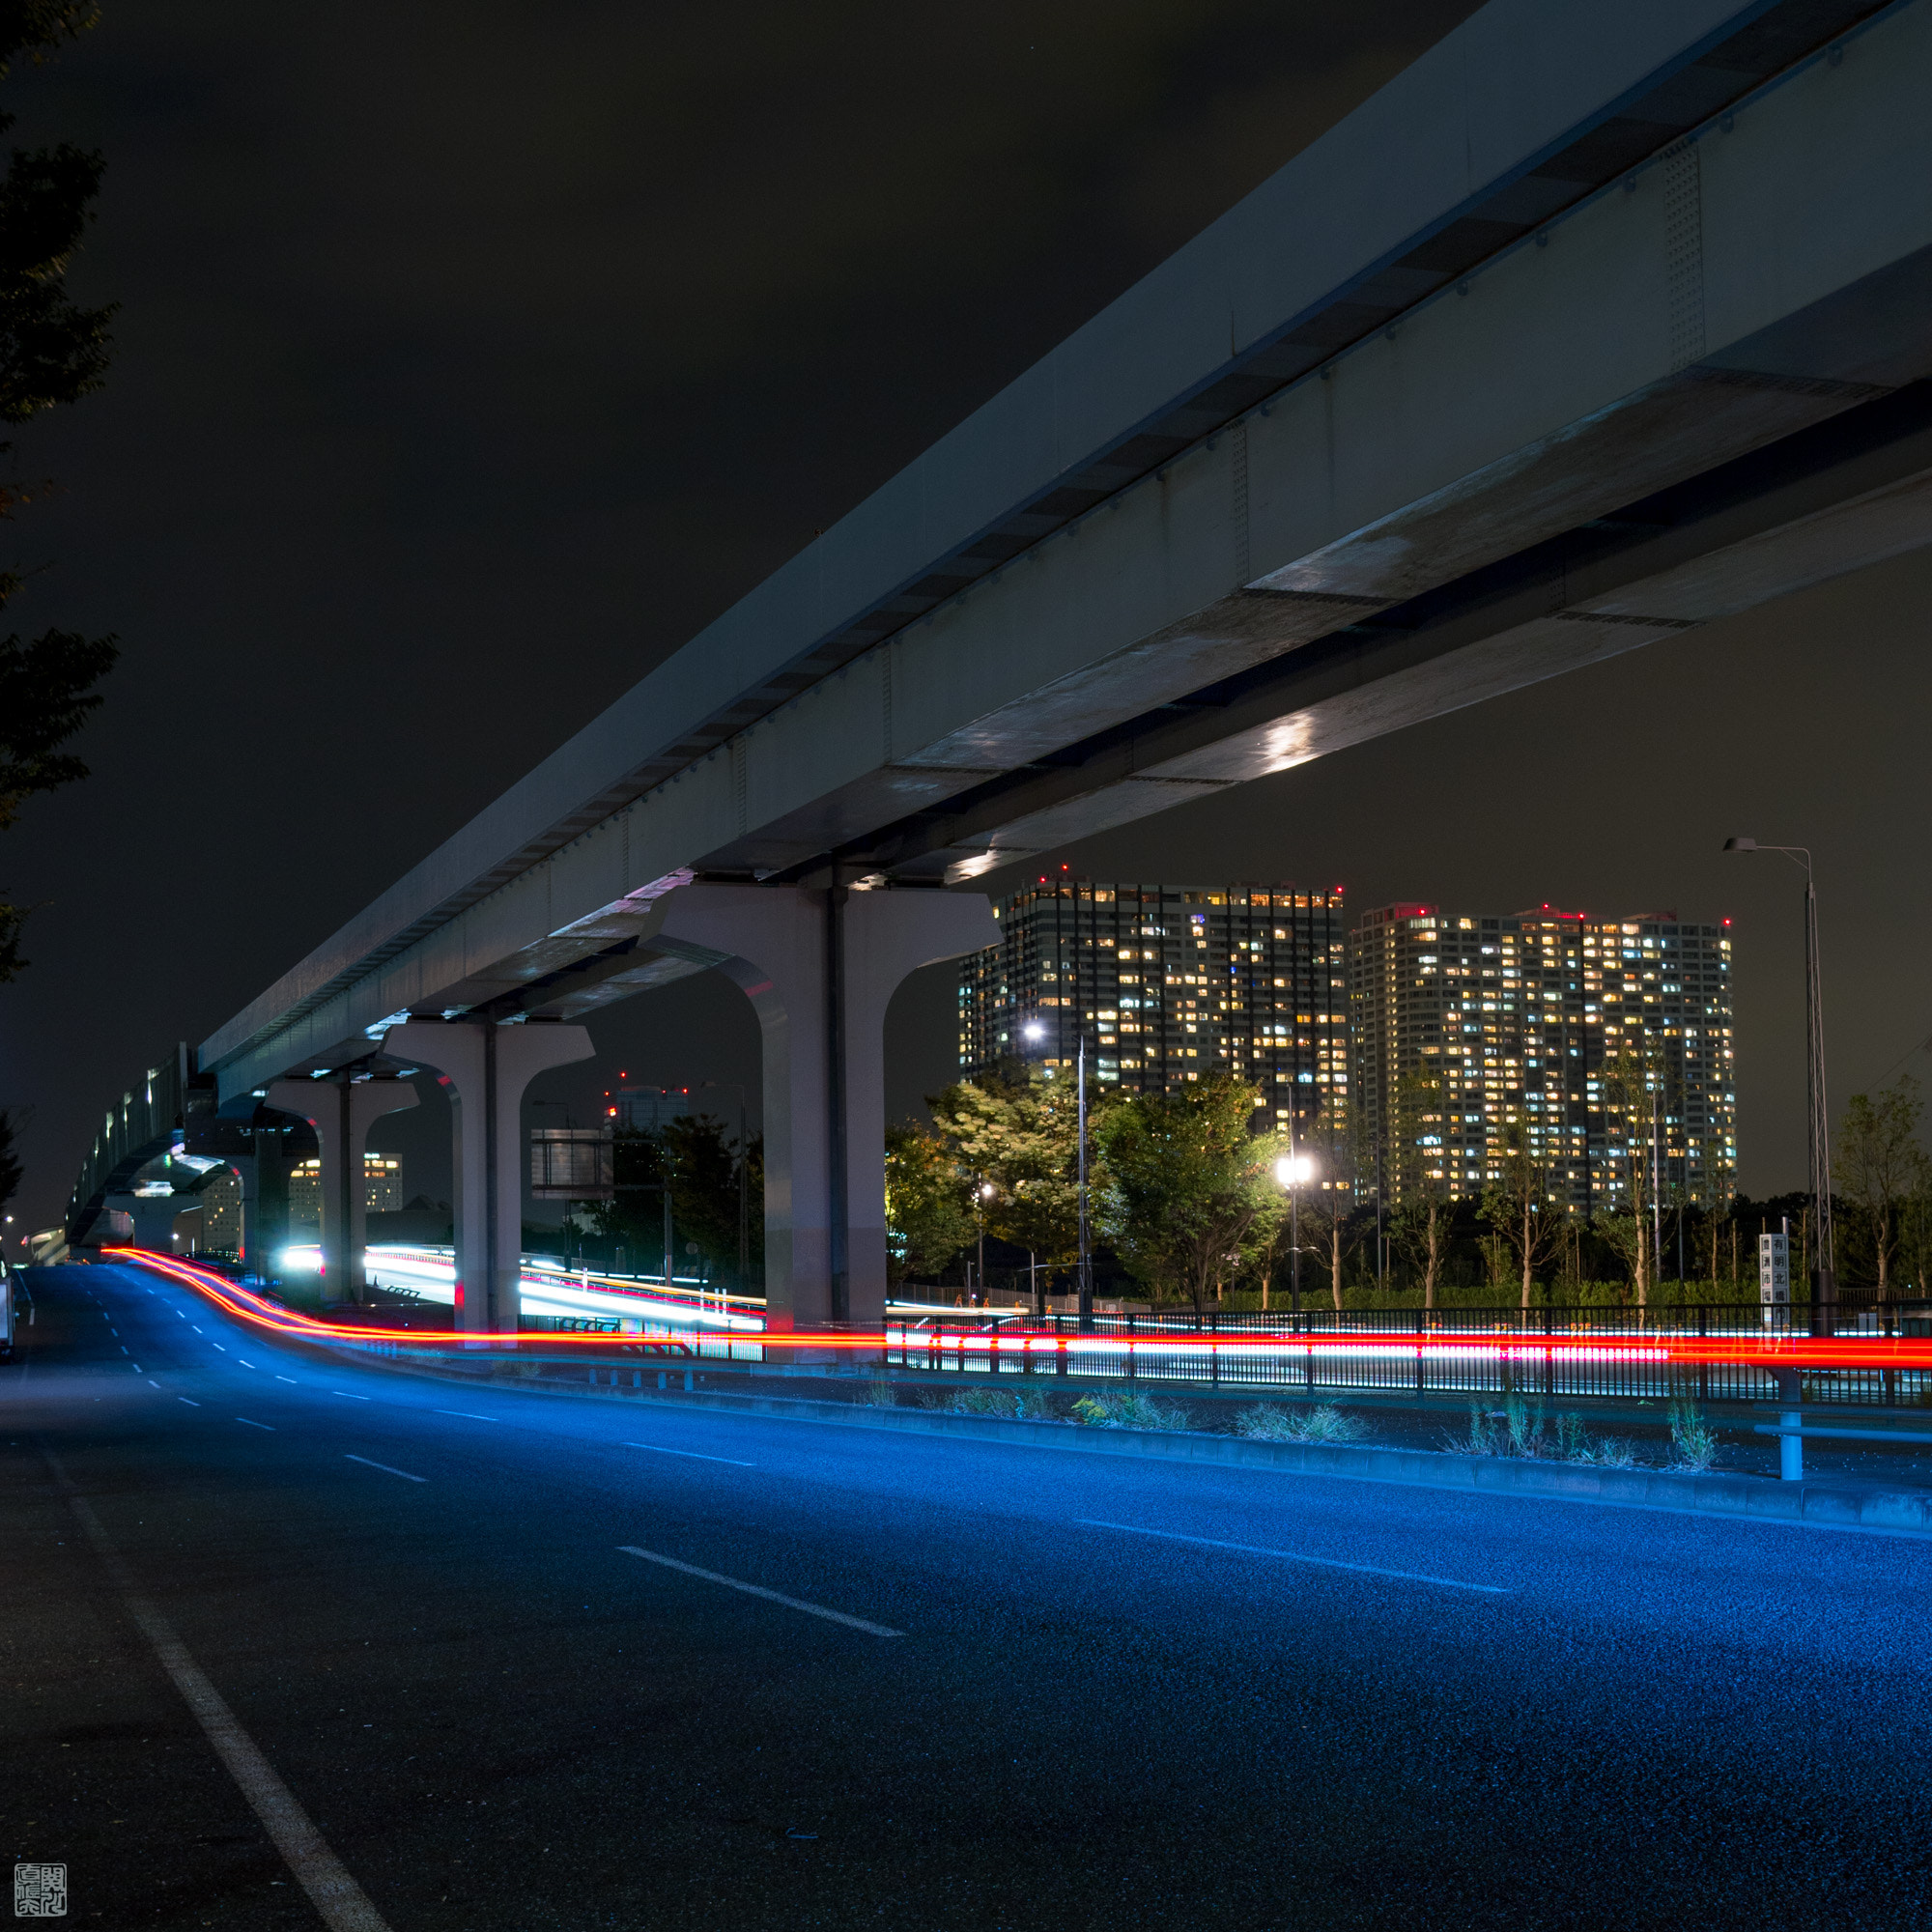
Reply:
x=1292, y=1170
x=1818, y=1148
x=1083, y=1277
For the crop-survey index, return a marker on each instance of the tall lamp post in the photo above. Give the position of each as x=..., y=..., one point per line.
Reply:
x=1292, y=1170
x=1083, y=1275
x=1818, y=1132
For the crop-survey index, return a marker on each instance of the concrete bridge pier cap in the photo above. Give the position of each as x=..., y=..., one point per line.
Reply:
x=820, y=965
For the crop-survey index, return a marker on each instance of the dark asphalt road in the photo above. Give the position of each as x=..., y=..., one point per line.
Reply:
x=1386, y=1708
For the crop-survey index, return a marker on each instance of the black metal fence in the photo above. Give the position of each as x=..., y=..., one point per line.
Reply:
x=1416, y=1351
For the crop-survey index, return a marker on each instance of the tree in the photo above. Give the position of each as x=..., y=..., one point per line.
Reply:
x=1880, y=1164
x=51, y=352
x=1517, y=1207
x=1185, y=1182
x=928, y=1203
x=1022, y=1137
x=1626, y=1080
x=1328, y=1198
x=1269, y=1237
x=706, y=1174
x=11, y=1170
x=1425, y=1199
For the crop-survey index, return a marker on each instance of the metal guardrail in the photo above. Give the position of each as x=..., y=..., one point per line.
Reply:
x=1403, y=1351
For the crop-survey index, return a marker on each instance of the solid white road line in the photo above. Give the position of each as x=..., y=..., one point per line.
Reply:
x=658, y=1448
x=385, y=1469
x=468, y=1416
x=342, y=1904
x=1289, y=1556
x=758, y=1590
x=269, y=1425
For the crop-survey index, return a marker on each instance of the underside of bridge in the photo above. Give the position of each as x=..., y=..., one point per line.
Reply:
x=1593, y=327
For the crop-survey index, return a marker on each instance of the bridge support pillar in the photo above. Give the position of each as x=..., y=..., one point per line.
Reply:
x=819, y=966
x=342, y=1111
x=152, y=1216
x=486, y=1065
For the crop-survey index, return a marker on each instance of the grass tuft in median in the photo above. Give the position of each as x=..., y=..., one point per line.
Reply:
x=1271, y=1422
x=1126, y=1409
x=1695, y=1440
x=1014, y=1405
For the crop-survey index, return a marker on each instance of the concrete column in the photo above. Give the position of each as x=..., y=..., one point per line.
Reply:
x=486, y=1065
x=342, y=1112
x=820, y=967
x=152, y=1216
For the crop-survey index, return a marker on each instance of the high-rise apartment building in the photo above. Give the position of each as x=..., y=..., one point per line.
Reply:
x=383, y=1183
x=1170, y=985
x=1512, y=1019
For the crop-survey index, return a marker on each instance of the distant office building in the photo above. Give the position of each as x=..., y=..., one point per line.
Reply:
x=1170, y=985
x=646, y=1109
x=383, y=1182
x=220, y=1204
x=1513, y=1018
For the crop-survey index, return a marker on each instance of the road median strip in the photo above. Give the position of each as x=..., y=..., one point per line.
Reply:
x=1708, y=1493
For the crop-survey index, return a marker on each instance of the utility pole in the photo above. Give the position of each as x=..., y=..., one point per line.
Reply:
x=1084, y=1278
x=1382, y=1249
x=1656, y=1187
x=1818, y=1131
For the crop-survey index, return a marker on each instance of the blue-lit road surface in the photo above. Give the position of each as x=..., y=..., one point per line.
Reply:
x=522, y=1660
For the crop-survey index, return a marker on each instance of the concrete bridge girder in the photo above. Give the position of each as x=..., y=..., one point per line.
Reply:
x=1759, y=280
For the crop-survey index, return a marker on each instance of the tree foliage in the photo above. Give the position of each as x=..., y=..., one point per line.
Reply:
x=1329, y=1202
x=1022, y=1139
x=928, y=1203
x=1879, y=1165
x=1627, y=1082
x=1518, y=1209
x=52, y=352
x=692, y=1158
x=11, y=1170
x=1187, y=1186
x=1426, y=1197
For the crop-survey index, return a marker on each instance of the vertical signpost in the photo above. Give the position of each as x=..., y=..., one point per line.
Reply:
x=1773, y=1273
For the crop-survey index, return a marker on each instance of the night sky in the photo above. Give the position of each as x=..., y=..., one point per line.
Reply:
x=471, y=359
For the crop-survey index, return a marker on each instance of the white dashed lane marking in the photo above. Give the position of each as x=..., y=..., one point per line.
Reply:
x=1293, y=1556
x=385, y=1469
x=759, y=1590
x=658, y=1449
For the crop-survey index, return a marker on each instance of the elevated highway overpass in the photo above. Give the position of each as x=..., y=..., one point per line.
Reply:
x=1593, y=326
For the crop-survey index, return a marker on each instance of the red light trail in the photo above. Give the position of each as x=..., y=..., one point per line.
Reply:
x=1770, y=1352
